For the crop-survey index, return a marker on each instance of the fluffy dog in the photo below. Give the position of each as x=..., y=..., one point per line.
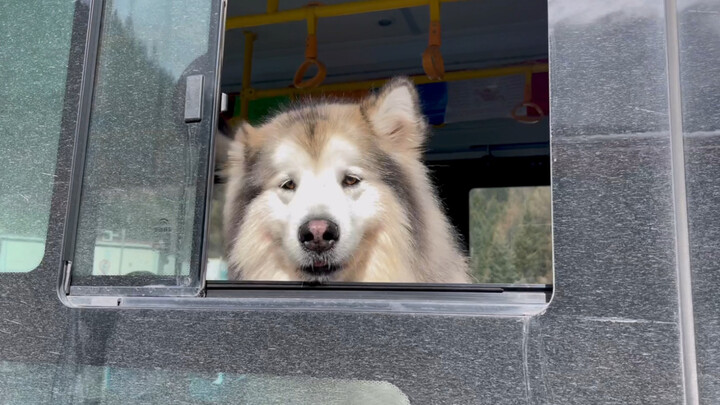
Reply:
x=337, y=191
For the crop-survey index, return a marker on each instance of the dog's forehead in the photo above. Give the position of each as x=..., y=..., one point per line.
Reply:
x=340, y=152
x=336, y=151
x=322, y=132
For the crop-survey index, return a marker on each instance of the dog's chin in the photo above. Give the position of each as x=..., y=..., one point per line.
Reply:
x=320, y=271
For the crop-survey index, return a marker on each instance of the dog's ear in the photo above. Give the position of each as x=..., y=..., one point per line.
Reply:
x=246, y=140
x=248, y=136
x=395, y=115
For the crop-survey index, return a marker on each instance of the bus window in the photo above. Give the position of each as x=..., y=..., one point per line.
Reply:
x=31, y=115
x=488, y=131
x=139, y=209
x=511, y=235
x=390, y=173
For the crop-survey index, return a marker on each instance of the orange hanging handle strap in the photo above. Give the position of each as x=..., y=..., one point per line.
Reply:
x=527, y=105
x=432, y=59
x=311, y=56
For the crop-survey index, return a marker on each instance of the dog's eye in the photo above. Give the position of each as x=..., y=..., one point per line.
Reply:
x=288, y=185
x=350, y=181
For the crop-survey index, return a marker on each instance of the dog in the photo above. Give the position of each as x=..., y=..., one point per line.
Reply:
x=331, y=191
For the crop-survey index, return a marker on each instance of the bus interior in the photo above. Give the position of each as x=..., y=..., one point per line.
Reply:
x=488, y=151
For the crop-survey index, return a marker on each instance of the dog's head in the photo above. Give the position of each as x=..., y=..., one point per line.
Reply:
x=315, y=179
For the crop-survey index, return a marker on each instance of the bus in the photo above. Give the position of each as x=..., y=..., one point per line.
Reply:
x=573, y=145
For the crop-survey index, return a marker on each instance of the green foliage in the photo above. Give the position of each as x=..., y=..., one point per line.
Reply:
x=261, y=109
x=216, y=239
x=511, y=235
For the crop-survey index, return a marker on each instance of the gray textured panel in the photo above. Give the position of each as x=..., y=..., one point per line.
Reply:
x=702, y=153
x=699, y=71
x=607, y=68
x=700, y=81
x=614, y=246
x=588, y=360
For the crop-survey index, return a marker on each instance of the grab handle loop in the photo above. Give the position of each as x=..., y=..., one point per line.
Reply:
x=527, y=104
x=432, y=59
x=311, y=55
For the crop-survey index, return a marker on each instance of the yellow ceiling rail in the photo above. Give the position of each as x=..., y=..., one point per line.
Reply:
x=254, y=94
x=333, y=10
x=310, y=14
x=432, y=60
x=247, y=68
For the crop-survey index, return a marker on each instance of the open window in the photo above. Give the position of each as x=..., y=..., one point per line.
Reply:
x=147, y=217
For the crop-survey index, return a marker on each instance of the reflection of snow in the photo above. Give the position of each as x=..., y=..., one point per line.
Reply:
x=19, y=254
x=216, y=270
x=175, y=32
x=220, y=378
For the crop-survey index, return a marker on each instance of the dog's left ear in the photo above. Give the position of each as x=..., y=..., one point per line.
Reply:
x=395, y=115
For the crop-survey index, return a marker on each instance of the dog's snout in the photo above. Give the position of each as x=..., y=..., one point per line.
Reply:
x=318, y=235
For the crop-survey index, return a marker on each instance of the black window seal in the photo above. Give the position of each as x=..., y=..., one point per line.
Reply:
x=87, y=88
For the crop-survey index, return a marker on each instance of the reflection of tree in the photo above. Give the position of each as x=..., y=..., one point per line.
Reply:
x=510, y=235
x=533, y=244
x=132, y=120
x=140, y=162
x=216, y=240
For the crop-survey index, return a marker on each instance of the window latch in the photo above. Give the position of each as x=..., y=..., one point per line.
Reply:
x=67, y=267
x=193, y=98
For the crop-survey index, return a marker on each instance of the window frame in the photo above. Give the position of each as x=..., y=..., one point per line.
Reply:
x=129, y=285
x=129, y=292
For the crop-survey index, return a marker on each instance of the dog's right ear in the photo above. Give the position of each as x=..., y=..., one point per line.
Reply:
x=395, y=115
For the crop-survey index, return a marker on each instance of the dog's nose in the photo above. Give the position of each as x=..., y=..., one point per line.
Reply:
x=319, y=235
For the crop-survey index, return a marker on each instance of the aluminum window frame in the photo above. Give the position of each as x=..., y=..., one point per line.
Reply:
x=459, y=299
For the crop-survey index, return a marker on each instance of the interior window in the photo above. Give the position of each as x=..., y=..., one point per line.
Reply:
x=511, y=235
x=488, y=148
